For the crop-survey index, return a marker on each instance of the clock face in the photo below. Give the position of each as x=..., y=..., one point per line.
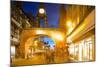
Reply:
x=41, y=11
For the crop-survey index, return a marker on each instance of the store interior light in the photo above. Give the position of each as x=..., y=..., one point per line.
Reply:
x=69, y=40
x=71, y=50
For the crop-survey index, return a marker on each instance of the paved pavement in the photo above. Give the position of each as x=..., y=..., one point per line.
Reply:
x=40, y=60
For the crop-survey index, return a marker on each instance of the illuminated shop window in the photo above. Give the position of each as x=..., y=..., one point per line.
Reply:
x=83, y=50
x=89, y=49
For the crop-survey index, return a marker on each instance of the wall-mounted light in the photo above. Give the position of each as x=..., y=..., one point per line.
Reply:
x=70, y=26
x=69, y=23
x=35, y=43
x=58, y=36
x=40, y=32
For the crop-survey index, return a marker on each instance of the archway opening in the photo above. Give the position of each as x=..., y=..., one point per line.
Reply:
x=38, y=46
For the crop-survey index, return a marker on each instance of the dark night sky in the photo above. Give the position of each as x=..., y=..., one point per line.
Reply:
x=52, y=11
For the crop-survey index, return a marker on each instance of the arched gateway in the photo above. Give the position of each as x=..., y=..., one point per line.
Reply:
x=56, y=35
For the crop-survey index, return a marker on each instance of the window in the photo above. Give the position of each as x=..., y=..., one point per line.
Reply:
x=82, y=50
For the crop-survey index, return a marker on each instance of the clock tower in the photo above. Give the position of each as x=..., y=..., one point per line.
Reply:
x=41, y=15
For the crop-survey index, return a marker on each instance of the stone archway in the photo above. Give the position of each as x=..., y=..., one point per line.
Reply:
x=30, y=44
x=57, y=35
